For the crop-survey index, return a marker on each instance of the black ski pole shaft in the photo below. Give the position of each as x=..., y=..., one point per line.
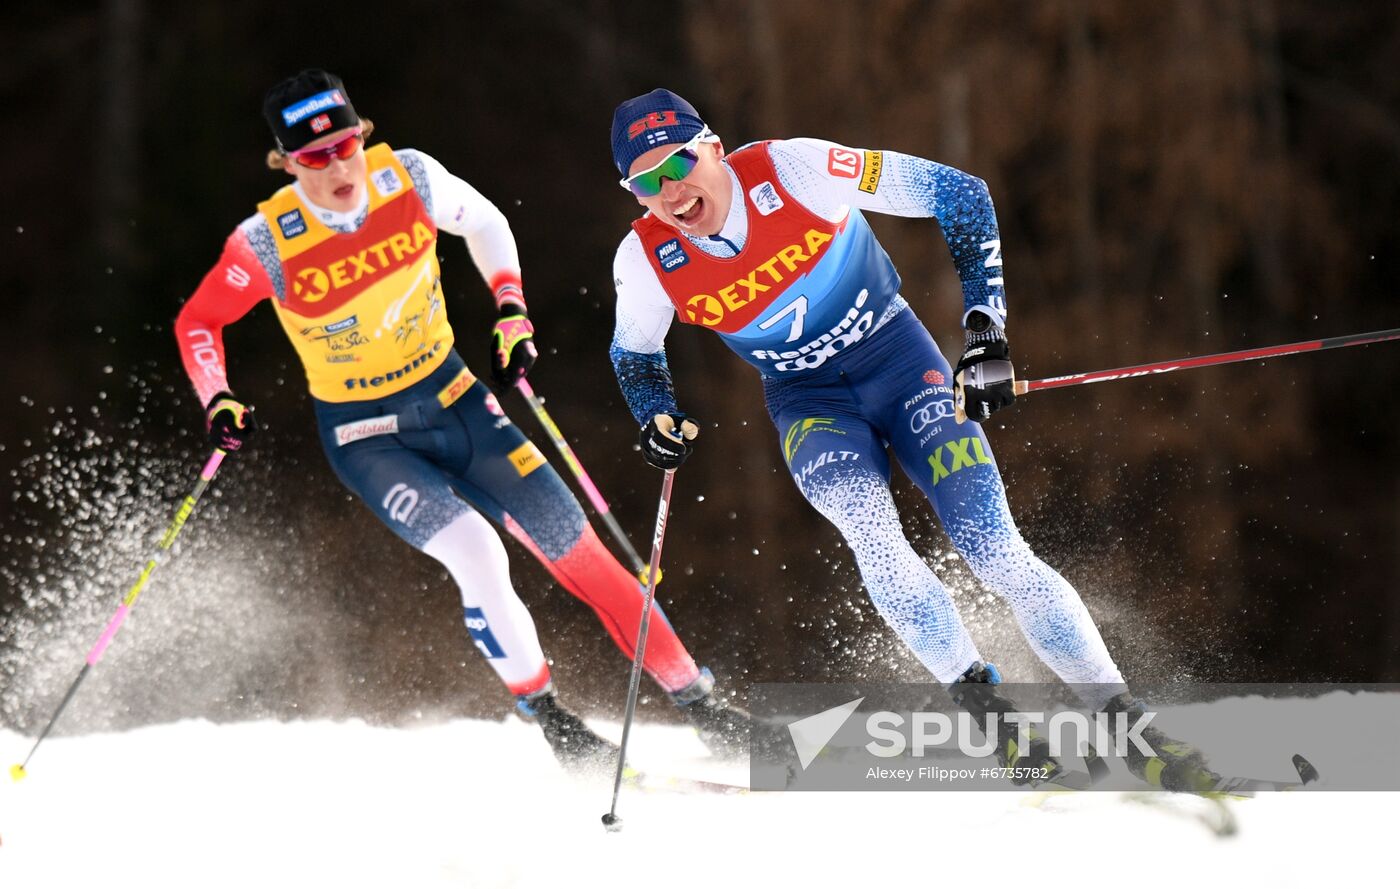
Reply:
x=610, y=820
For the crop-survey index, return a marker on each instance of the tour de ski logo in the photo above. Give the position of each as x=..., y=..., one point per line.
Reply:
x=386, y=181
x=765, y=198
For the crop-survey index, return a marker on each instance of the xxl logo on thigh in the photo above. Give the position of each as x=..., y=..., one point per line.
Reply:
x=955, y=456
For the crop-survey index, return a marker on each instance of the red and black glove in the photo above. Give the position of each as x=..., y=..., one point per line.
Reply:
x=512, y=346
x=229, y=421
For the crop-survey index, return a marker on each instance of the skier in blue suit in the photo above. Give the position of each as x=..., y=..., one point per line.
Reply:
x=767, y=246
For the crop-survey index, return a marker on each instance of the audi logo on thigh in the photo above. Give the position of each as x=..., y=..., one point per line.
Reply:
x=930, y=413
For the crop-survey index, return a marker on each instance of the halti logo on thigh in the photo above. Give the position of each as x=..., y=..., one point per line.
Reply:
x=829, y=457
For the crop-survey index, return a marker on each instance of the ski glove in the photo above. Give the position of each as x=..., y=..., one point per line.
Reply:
x=512, y=346
x=667, y=440
x=229, y=421
x=984, y=379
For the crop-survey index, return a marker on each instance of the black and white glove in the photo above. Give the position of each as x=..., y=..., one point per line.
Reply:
x=984, y=379
x=229, y=421
x=667, y=440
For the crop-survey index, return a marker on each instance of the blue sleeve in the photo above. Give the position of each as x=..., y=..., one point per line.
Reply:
x=903, y=185
x=646, y=382
x=963, y=207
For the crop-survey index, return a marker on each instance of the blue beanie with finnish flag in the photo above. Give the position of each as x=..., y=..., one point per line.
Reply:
x=658, y=118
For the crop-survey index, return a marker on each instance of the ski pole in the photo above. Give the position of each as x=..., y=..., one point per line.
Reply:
x=1160, y=367
x=206, y=475
x=594, y=496
x=610, y=820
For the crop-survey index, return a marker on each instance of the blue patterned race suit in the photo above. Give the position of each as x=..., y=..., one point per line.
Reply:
x=797, y=284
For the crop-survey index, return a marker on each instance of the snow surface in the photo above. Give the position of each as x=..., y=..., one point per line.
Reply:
x=473, y=803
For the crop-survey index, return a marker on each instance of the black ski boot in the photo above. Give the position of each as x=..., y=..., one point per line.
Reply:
x=1177, y=766
x=975, y=692
x=574, y=744
x=722, y=727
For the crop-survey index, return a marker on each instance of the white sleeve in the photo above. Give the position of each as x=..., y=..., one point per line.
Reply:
x=644, y=312
x=461, y=210
x=827, y=178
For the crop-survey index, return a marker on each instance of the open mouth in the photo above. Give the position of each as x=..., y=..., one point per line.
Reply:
x=345, y=191
x=690, y=211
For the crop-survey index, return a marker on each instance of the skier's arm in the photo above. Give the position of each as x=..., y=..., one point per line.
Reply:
x=235, y=284
x=827, y=178
x=644, y=315
x=459, y=209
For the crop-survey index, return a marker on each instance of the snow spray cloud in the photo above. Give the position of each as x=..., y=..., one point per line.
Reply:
x=1231, y=739
x=211, y=635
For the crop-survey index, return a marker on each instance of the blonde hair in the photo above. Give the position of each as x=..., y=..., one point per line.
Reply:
x=277, y=158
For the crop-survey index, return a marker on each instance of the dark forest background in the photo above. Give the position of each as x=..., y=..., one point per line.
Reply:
x=1171, y=179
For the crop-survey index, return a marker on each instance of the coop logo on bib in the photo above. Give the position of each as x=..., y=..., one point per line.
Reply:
x=671, y=255
x=291, y=224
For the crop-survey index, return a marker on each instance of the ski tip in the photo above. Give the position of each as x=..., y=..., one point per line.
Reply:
x=1306, y=771
x=612, y=823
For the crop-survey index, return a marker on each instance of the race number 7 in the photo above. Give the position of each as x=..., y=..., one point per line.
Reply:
x=798, y=309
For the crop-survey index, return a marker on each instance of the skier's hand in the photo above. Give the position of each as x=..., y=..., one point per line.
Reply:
x=984, y=379
x=513, y=350
x=668, y=439
x=229, y=421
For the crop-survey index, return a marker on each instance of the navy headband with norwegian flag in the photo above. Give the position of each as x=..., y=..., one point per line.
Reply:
x=305, y=107
x=658, y=118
